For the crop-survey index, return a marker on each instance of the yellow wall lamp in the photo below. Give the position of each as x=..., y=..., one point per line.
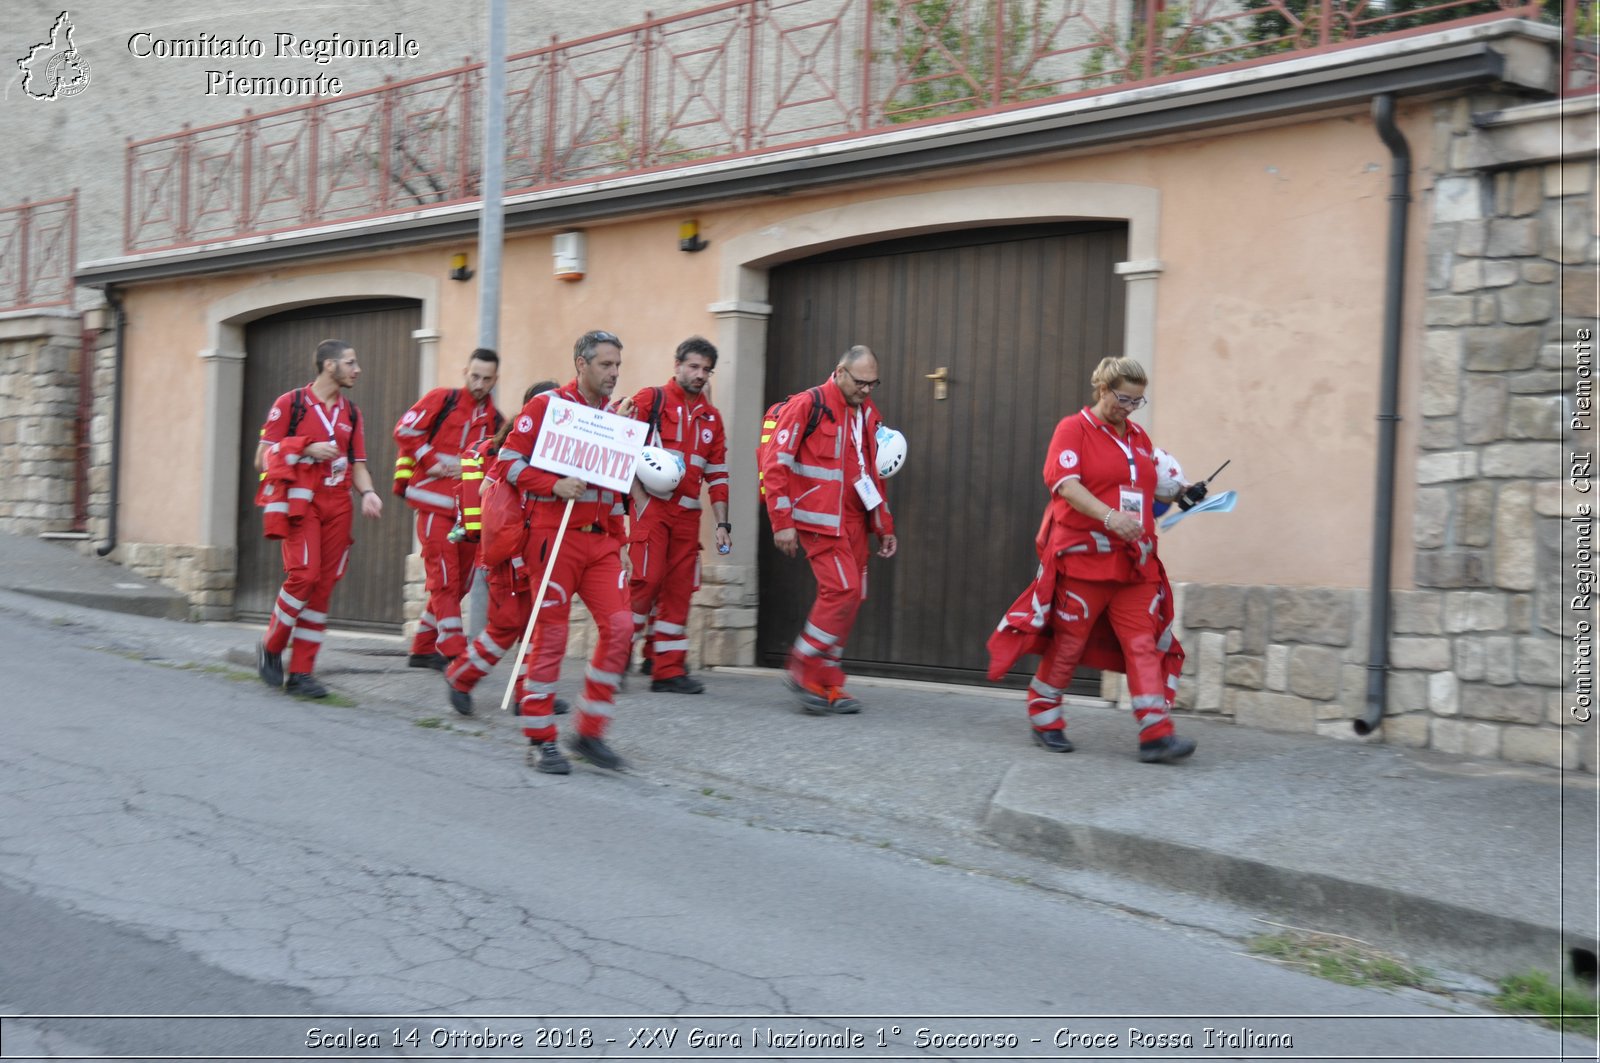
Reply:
x=459, y=270
x=689, y=236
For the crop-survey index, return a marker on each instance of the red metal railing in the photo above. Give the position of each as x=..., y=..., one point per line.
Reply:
x=737, y=78
x=38, y=247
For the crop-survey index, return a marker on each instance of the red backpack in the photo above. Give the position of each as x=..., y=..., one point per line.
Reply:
x=765, y=450
x=505, y=524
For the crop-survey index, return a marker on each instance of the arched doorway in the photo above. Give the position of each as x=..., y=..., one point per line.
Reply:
x=1017, y=317
x=278, y=358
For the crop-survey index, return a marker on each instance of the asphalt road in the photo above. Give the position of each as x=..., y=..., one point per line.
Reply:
x=174, y=842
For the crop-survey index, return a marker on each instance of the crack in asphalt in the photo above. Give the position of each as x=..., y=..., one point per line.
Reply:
x=322, y=923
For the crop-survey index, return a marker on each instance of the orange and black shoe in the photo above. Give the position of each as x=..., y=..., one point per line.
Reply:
x=841, y=703
x=813, y=699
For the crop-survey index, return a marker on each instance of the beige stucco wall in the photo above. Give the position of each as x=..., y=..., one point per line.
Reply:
x=1266, y=346
x=1269, y=341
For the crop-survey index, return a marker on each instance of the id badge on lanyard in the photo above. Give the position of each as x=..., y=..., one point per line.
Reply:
x=1132, y=499
x=341, y=464
x=871, y=497
x=1133, y=502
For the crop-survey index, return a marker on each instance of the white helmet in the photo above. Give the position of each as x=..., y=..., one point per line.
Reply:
x=659, y=471
x=891, y=451
x=1169, y=475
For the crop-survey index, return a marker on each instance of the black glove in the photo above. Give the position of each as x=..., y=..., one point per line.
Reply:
x=1191, y=494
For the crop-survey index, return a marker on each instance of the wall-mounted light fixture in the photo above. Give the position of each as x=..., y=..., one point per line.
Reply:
x=458, y=268
x=572, y=256
x=689, y=236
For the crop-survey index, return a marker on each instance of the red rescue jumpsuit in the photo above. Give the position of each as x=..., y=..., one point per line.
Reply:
x=588, y=566
x=664, y=543
x=317, y=547
x=429, y=446
x=1098, y=574
x=811, y=487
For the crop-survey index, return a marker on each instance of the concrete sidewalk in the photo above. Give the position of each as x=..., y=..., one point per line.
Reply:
x=1482, y=866
x=56, y=570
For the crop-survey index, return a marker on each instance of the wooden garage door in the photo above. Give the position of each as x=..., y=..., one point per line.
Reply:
x=278, y=358
x=1017, y=318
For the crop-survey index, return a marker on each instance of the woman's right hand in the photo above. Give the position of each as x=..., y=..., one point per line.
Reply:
x=1124, y=526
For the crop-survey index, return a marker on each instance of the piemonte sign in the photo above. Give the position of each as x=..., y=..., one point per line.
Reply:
x=597, y=447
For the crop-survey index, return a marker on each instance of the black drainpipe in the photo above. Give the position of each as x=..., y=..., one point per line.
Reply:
x=1388, y=414
x=114, y=300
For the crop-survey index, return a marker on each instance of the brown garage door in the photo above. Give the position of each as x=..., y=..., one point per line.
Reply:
x=1017, y=318
x=278, y=358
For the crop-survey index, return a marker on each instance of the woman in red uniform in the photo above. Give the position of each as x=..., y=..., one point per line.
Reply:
x=1102, y=597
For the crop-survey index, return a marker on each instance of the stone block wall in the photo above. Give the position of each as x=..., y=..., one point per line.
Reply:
x=204, y=574
x=722, y=617
x=1469, y=671
x=415, y=595
x=100, y=425
x=722, y=620
x=39, y=384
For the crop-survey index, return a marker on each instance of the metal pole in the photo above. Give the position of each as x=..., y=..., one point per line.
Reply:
x=491, y=233
x=491, y=221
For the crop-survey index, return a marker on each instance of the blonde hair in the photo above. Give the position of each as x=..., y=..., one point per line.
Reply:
x=1112, y=372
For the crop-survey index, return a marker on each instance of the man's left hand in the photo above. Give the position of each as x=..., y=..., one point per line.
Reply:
x=887, y=545
x=371, y=505
x=627, y=567
x=724, y=540
x=623, y=408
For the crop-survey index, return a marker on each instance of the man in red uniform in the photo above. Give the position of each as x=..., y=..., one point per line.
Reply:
x=665, y=538
x=432, y=436
x=823, y=495
x=592, y=563
x=325, y=426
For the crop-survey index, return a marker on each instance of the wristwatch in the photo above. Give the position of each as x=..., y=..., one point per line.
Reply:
x=725, y=526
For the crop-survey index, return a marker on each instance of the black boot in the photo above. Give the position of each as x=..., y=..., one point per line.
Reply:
x=1168, y=750
x=1054, y=740
x=269, y=666
x=304, y=685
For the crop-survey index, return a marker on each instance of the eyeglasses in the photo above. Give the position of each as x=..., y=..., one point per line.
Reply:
x=864, y=385
x=1128, y=402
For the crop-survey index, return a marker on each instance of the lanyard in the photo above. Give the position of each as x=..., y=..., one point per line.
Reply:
x=855, y=432
x=1127, y=451
x=327, y=422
